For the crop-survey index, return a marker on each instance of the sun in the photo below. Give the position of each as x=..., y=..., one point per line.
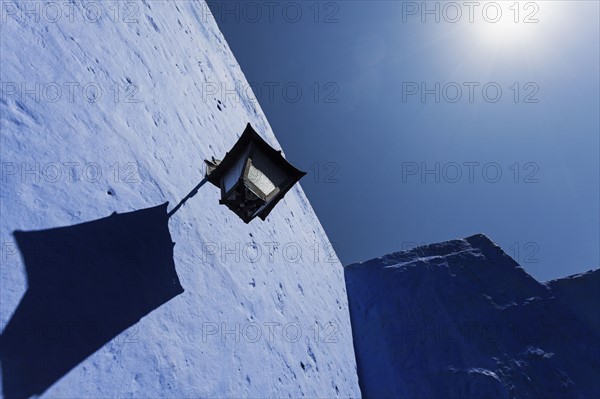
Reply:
x=509, y=23
x=517, y=23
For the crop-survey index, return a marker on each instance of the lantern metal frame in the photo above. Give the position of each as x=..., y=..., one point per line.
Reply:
x=243, y=196
x=250, y=145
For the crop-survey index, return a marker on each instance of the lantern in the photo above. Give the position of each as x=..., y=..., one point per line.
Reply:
x=253, y=176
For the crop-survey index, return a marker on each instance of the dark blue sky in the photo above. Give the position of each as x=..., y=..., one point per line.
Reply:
x=415, y=130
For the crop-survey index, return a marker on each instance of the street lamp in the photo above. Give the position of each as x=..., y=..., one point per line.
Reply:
x=253, y=177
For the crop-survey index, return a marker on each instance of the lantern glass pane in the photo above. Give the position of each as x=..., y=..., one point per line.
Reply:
x=234, y=173
x=270, y=168
x=260, y=180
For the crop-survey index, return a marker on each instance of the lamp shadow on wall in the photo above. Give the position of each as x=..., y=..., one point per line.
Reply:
x=87, y=283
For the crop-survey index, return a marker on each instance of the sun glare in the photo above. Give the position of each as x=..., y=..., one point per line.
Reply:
x=515, y=23
x=505, y=24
